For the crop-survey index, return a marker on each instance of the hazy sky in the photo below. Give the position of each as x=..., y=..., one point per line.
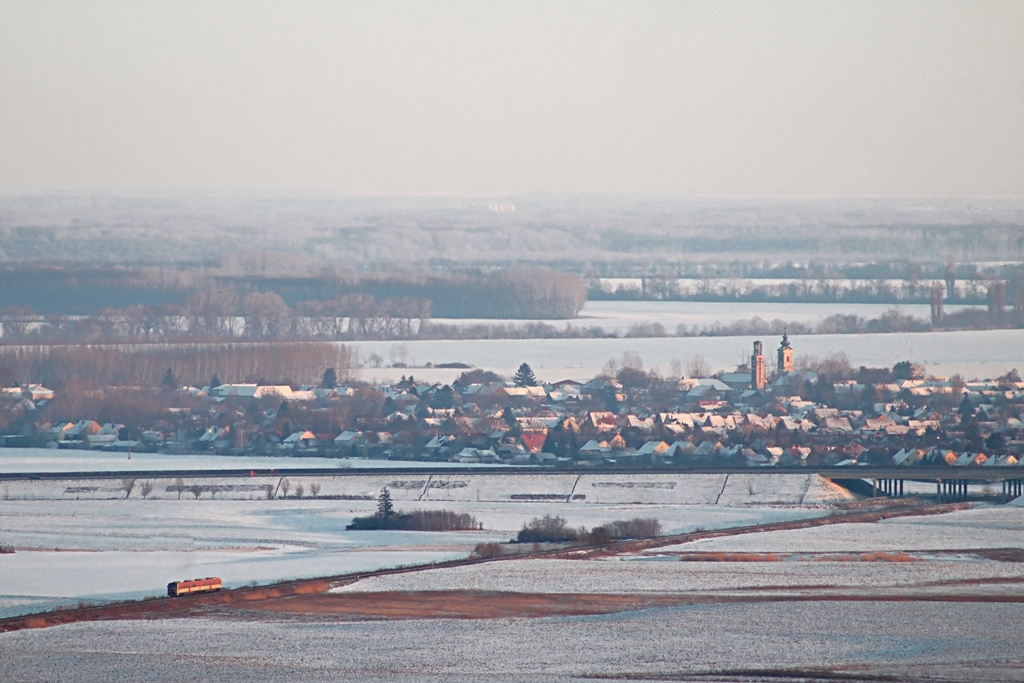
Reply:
x=727, y=98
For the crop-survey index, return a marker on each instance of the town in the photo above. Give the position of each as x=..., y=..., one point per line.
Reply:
x=758, y=416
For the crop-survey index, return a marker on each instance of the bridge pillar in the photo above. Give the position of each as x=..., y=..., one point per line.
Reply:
x=901, y=488
x=938, y=489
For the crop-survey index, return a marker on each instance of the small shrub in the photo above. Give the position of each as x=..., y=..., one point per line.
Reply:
x=299, y=491
x=638, y=527
x=488, y=550
x=440, y=520
x=547, y=529
x=420, y=520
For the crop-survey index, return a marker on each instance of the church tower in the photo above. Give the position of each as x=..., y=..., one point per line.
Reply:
x=757, y=379
x=785, y=355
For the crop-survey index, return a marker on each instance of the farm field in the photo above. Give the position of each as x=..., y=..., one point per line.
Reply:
x=98, y=540
x=659, y=614
x=910, y=641
x=619, y=316
x=71, y=460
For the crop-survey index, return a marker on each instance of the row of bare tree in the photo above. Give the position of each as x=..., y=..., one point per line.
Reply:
x=212, y=314
x=191, y=363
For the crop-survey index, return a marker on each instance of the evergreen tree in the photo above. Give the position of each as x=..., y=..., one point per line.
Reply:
x=385, y=508
x=215, y=381
x=330, y=378
x=169, y=381
x=966, y=409
x=524, y=376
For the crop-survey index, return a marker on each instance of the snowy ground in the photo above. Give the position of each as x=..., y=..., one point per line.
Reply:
x=535, y=487
x=100, y=540
x=15, y=460
x=901, y=641
x=619, y=316
x=984, y=527
x=640, y=575
x=660, y=571
x=973, y=354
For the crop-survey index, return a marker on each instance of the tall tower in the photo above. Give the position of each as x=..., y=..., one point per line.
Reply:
x=757, y=380
x=785, y=355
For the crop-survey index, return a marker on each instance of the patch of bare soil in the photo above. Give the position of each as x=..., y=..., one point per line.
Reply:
x=388, y=605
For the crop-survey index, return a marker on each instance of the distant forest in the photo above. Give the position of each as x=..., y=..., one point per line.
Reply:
x=144, y=268
x=597, y=236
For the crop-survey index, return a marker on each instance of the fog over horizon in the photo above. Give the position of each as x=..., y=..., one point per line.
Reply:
x=449, y=98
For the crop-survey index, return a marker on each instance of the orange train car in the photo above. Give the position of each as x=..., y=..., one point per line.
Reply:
x=192, y=586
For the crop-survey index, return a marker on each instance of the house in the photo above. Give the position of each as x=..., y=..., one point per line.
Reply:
x=347, y=442
x=533, y=440
x=298, y=441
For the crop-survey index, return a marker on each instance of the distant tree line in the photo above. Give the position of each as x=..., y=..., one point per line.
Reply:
x=914, y=289
x=173, y=365
x=208, y=301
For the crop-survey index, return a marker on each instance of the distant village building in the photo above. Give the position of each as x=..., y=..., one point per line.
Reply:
x=785, y=355
x=757, y=376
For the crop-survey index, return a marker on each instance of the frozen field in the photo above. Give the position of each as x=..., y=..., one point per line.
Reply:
x=735, y=642
x=974, y=354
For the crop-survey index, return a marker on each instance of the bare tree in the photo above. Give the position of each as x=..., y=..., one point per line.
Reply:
x=210, y=311
x=299, y=491
x=266, y=315
x=146, y=488
x=314, y=488
x=285, y=485
x=698, y=367
x=196, y=490
x=127, y=485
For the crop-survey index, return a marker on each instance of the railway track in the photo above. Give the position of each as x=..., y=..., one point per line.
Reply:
x=198, y=604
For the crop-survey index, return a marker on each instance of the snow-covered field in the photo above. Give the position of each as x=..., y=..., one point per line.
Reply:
x=900, y=641
x=659, y=571
x=984, y=527
x=533, y=487
x=619, y=316
x=637, y=575
x=108, y=550
x=973, y=354
x=101, y=540
x=70, y=460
